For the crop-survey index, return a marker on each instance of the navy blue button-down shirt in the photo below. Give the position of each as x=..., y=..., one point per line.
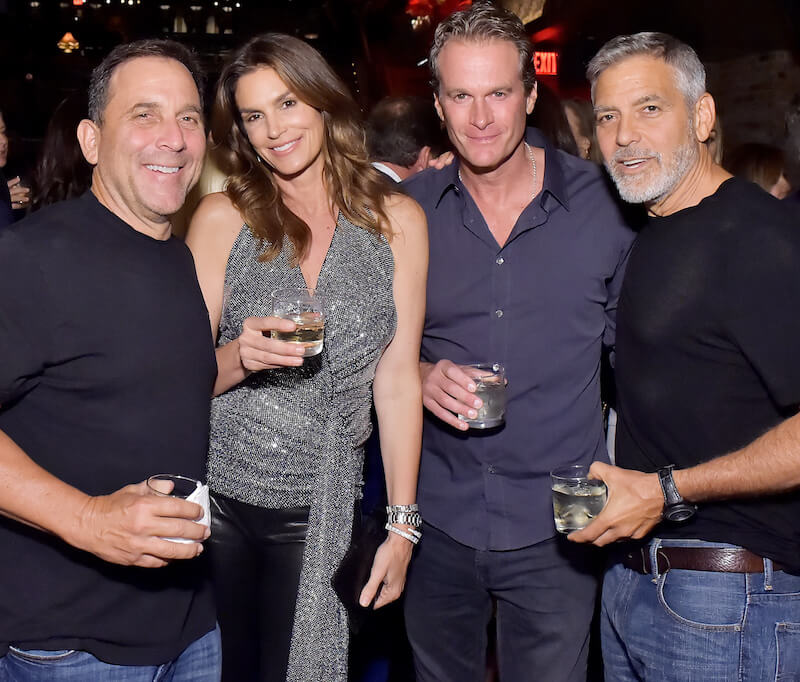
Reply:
x=543, y=304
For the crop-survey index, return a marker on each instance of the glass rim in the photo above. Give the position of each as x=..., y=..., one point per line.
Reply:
x=563, y=474
x=171, y=477
x=494, y=366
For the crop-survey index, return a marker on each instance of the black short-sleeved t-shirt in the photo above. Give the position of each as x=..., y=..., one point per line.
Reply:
x=708, y=353
x=106, y=373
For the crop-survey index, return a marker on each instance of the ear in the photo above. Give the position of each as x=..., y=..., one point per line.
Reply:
x=422, y=159
x=530, y=100
x=89, y=140
x=438, y=106
x=705, y=111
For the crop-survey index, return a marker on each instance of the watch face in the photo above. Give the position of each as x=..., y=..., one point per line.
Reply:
x=680, y=512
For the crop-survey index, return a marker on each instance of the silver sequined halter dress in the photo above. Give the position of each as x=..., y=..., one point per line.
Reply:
x=293, y=437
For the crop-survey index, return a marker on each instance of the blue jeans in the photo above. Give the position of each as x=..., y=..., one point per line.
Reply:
x=199, y=662
x=700, y=626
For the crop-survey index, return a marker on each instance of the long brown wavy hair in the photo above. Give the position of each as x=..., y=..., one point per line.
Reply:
x=355, y=187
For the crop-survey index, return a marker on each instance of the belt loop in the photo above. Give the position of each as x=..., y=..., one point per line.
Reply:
x=655, y=545
x=767, y=574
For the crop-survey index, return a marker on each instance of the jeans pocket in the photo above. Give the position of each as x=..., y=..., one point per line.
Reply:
x=41, y=656
x=702, y=599
x=787, y=637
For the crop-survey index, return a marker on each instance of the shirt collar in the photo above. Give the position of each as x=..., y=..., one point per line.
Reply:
x=383, y=168
x=554, y=182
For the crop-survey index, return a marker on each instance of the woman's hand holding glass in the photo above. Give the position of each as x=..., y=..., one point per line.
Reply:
x=258, y=351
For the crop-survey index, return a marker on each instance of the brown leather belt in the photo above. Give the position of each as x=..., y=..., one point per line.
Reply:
x=720, y=559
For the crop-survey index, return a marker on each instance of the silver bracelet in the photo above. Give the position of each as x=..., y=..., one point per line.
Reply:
x=412, y=535
x=402, y=508
x=405, y=518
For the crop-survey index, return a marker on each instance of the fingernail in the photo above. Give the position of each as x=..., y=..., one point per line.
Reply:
x=472, y=388
x=477, y=402
x=200, y=550
x=473, y=414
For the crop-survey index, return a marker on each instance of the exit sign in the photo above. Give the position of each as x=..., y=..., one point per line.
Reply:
x=546, y=63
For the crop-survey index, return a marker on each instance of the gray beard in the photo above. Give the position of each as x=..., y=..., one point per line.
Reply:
x=666, y=179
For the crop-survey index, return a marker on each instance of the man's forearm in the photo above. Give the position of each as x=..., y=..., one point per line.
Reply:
x=32, y=496
x=767, y=466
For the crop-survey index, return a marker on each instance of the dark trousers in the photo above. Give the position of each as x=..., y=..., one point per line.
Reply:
x=256, y=556
x=544, y=596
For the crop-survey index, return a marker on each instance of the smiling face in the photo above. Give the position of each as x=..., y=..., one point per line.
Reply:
x=3, y=143
x=285, y=132
x=482, y=100
x=149, y=147
x=644, y=128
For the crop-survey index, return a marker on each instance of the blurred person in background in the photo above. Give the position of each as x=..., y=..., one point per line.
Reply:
x=61, y=169
x=580, y=117
x=549, y=117
x=403, y=134
x=762, y=164
x=303, y=207
x=14, y=196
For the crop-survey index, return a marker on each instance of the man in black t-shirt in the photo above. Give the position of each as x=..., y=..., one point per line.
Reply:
x=708, y=379
x=105, y=379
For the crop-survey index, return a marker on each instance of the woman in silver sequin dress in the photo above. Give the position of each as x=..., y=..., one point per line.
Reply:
x=303, y=208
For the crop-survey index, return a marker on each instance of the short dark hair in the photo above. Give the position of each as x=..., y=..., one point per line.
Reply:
x=480, y=23
x=398, y=127
x=168, y=49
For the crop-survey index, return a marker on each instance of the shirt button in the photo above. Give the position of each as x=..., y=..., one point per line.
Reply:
x=500, y=260
x=498, y=313
x=490, y=469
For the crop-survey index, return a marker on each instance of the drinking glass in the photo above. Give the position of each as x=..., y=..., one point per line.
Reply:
x=490, y=387
x=185, y=488
x=577, y=499
x=304, y=307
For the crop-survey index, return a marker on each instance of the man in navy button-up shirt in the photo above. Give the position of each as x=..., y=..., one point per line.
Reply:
x=527, y=253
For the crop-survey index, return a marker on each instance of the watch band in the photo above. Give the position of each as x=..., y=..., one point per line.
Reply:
x=675, y=507
x=668, y=487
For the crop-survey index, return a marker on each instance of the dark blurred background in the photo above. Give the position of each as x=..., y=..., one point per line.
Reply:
x=48, y=47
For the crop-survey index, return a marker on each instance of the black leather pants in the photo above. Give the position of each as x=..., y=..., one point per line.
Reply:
x=256, y=555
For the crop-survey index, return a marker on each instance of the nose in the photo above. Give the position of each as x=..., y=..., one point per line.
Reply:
x=171, y=135
x=481, y=115
x=627, y=132
x=274, y=125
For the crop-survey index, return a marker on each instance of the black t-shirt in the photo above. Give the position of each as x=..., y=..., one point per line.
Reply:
x=106, y=373
x=6, y=214
x=708, y=353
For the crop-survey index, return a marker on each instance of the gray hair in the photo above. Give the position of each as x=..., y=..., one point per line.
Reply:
x=689, y=71
x=168, y=49
x=483, y=22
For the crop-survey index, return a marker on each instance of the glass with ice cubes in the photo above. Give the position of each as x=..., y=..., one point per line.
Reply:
x=577, y=498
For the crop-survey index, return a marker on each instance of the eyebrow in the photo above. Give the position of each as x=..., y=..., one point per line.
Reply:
x=649, y=98
x=644, y=99
x=155, y=105
x=276, y=100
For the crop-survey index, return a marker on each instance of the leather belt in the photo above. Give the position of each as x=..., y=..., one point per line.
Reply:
x=719, y=559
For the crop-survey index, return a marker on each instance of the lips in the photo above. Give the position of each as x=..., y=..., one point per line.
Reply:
x=285, y=147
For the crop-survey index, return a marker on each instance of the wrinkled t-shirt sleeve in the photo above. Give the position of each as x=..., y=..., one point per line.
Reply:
x=24, y=335
x=763, y=310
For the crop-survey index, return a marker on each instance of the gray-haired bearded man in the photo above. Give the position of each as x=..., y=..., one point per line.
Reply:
x=708, y=382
